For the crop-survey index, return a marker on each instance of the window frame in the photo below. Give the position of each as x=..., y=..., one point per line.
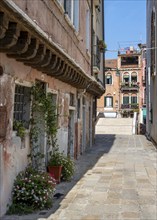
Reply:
x=105, y=101
x=110, y=79
x=23, y=112
x=73, y=16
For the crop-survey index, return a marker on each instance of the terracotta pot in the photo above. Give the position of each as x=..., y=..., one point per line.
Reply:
x=55, y=172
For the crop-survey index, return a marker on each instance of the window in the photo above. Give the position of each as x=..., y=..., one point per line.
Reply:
x=134, y=77
x=126, y=99
x=126, y=78
x=78, y=107
x=133, y=99
x=87, y=29
x=22, y=104
x=96, y=51
x=132, y=60
x=153, y=37
x=61, y=1
x=109, y=79
x=108, y=102
x=72, y=9
x=72, y=99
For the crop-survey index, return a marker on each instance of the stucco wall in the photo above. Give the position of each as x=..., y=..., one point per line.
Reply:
x=52, y=20
x=151, y=82
x=13, y=152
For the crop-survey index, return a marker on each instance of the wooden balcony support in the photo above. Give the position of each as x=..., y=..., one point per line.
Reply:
x=21, y=39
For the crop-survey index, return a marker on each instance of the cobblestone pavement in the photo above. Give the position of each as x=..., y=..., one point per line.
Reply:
x=115, y=179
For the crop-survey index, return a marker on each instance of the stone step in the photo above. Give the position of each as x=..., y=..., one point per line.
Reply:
x=114, y=126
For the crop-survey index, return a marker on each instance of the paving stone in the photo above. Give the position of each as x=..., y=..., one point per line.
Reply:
x=130, y=215
x=118, y=185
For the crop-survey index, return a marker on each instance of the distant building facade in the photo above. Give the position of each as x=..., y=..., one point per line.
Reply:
x=109, y=103
x=124, y=86
x=151, y=69
x=54, y=49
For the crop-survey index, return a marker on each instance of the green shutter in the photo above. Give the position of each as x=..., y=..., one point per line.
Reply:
x=104, y=101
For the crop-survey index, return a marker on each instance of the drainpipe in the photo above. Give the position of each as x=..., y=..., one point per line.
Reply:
x=92, y=37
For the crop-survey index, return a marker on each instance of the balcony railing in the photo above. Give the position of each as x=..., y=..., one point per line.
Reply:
x=134, y=86
x=130, y=106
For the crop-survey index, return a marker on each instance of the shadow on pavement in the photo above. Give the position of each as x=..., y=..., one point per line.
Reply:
x=103, y=144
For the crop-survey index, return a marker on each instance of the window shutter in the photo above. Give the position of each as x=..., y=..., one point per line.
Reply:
x=112, y=101
x=104, y=101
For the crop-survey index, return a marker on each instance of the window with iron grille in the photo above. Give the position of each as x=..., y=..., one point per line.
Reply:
x=22, y=105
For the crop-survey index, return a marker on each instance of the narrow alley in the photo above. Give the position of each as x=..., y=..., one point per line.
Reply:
x=117, y=181
x=120, y=185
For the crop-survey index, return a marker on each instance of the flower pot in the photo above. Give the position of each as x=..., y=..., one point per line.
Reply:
x=55, y=172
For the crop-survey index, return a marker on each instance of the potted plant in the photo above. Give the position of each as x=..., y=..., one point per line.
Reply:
x=68, y=168
x=102, y=46
x=55, y=165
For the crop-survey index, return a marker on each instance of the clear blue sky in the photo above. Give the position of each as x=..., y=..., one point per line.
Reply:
x=125, y=20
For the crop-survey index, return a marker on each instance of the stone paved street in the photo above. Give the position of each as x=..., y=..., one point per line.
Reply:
x=115, y=179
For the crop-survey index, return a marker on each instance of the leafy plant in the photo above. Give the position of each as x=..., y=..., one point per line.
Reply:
x=67, y=169
x=56, y=159
x=21, y=131
x=102, y=46
x=32, y=190
x=43, y=112
x=59, y=159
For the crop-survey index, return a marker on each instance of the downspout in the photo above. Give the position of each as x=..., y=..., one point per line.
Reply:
x=91, y=37
x=103, y=30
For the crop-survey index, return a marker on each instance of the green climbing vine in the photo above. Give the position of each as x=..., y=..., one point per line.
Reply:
x=44, y=114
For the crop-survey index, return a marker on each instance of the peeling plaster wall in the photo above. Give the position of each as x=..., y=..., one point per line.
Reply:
x=13, y=156
x=13, y=153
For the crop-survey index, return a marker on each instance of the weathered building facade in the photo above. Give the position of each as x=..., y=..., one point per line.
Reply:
x=151, y=65
x=110, y=101
x=49, y=42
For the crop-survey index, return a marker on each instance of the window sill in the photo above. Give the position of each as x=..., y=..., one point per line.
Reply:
x=88, y=53
x=69, y=21
x=59, y=6
x=77, y=34
x=96, y=69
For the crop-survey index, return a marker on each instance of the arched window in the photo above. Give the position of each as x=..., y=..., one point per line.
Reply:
x=126, y=77
x=134, y=99
x=108, y=101
x=109, y=78
x=126, y=98
x=133, y=77
x=153, y=37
